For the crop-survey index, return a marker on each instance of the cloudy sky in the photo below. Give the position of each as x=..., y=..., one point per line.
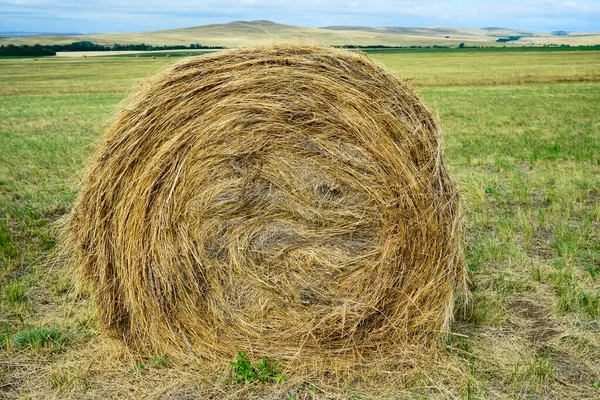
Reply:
x=126, y=15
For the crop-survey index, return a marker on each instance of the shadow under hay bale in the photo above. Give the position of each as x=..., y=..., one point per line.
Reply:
x=285, y=200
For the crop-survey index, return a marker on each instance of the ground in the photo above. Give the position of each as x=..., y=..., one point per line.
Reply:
x=522, y=140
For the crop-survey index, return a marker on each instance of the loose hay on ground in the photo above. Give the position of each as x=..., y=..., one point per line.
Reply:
x=287, y=200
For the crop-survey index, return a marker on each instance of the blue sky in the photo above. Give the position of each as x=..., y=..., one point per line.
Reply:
x=127, y=16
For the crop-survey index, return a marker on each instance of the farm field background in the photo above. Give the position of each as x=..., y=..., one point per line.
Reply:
x=244, y=33
x=522, y=139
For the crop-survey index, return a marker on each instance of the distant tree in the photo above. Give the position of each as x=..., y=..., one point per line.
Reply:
x=508, y=39
x=26, y=50
x=461, y=46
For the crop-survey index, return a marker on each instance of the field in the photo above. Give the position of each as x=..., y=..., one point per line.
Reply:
x=243, y=33
x=522, y=139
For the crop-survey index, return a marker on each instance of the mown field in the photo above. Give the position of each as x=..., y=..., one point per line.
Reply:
x=522, y=139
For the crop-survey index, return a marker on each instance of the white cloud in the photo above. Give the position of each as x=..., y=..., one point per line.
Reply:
x=109, y=15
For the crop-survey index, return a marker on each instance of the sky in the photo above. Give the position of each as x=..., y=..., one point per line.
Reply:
x=83, y=16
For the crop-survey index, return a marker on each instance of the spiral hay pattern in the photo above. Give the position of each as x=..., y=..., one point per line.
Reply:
x=285, y=200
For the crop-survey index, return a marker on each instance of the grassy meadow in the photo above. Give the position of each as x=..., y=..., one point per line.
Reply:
x=522, y=139
x=243, y=33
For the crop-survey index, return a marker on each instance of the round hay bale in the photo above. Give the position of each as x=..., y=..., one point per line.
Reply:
x=288, y=200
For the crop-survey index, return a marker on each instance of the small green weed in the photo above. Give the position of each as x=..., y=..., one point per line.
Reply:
x=262, y=372
x=593, y=271
x=460, y=345
x=587, y=302
x=491, y=190
x=469, y=390
x=40, y=338
x=4, y=341
x=140, y=366
x=8, y=249
x=485, y=307
x=158, y=362
x=16, y=292
x=534, y=373
x=537, y=274
x=572, y=297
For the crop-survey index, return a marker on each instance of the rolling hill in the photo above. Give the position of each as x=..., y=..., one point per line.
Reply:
x=239, y=33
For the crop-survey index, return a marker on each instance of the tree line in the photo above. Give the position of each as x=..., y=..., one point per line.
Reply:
x=51, y=49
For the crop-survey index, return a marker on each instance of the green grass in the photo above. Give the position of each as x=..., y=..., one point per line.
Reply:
x=490, y=68
x=522, y=141
x=40, y=338
x=480, y=48
x=16, y=292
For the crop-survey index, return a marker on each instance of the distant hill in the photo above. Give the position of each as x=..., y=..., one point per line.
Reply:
x=438, y=31
x=241, y=33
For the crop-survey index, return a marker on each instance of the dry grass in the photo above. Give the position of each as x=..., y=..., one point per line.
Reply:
x=287, y=201
x=525, y=156
x=244, y=33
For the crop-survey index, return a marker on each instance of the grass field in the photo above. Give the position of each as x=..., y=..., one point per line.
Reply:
x=243, y=33
x=522, y=139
